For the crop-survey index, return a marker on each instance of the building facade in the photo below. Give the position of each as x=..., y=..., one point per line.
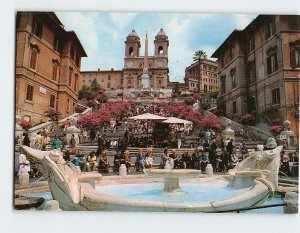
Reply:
x=260, y=71
x=202, y=76
x=47, y=66
x=134, y=64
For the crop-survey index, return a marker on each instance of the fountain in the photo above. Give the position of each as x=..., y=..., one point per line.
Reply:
x=171, y=177
x=251, y=182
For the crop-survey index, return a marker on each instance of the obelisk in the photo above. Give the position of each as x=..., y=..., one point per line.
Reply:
x=145, y=79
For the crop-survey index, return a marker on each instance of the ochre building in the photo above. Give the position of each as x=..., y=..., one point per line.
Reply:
x=48, y=62
x=259, y=68
x=202, y=76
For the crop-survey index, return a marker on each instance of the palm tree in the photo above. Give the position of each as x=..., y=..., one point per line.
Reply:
x=200, y=55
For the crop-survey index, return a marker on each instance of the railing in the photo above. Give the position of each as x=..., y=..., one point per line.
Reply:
x=49, y=123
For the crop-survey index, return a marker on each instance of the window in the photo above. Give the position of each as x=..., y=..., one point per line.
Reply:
x=130, y=51
x=108, y=85
x=52, y=101
x=275, y=96
x=33, y=55
x=54, y=69
x=56, y=44
x=33, y=58
x=77, y=61
x=234, y=107
x=109, y=77
x=75, y=83
x=29, y=93
x=160, y=50
x=295, y=54
x=233, y=78
x=70, y=76
x=129, y=81
x=205, y=88
x=72, y=53
x=232, y=53
x=272, y=64
x=270, y=28
x=159, y=81
x=68, y=104
x=250, y=43
x=37, y=28
x=251, y=72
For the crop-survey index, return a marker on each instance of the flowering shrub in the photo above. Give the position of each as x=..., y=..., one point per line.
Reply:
x=189, y=100
x=100, y=96
x=89, y=121
x=52, y=114
x=211, y=121
x=205, y=105
x=247, y=119
x=79, y=109
x=91, y=103
x=276, y=129
x=25, y=124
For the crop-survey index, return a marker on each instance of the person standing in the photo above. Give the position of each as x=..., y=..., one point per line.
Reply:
x=179, y=139
x=57, y=143
x=243, y=150
x=92, y=137
x=46, y=142
x=26, y=140
x=229, y=149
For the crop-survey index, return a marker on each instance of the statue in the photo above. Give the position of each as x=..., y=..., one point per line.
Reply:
x=271, y=143
x=24, y=169
x=286, y=125
x=228, y=133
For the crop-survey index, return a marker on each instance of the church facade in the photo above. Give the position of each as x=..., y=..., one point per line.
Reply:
x=138, y=71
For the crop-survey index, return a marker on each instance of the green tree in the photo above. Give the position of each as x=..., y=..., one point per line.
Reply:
x=95, y=86
x=85, y=92
x=200, y=55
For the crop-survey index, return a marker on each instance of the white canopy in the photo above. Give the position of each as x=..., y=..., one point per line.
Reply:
x=175, y=120
x=147, y=116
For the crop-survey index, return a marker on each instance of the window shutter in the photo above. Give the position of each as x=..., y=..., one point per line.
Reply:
x=293, y=58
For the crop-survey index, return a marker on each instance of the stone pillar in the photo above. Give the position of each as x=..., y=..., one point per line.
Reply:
x=291, y=201
x=228, y=132
x=287, y=135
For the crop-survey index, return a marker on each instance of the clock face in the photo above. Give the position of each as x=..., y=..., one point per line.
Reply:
x=160, y=63
x=129, y=64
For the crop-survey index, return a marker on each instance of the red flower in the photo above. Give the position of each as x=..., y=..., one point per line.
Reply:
x=25, y=124
x=79, y=109
x=247, y=119
x=52, y=114
x=276, y=129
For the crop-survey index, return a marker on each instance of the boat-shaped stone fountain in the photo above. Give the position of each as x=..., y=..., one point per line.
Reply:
x=251, y=182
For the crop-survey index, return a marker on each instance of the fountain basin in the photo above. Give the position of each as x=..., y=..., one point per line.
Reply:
x=115, y=198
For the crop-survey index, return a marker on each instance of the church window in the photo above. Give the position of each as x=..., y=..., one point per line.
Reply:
x=130, y=51
x=160, y=50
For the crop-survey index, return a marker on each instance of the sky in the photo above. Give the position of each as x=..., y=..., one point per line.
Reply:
x=102, y=34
